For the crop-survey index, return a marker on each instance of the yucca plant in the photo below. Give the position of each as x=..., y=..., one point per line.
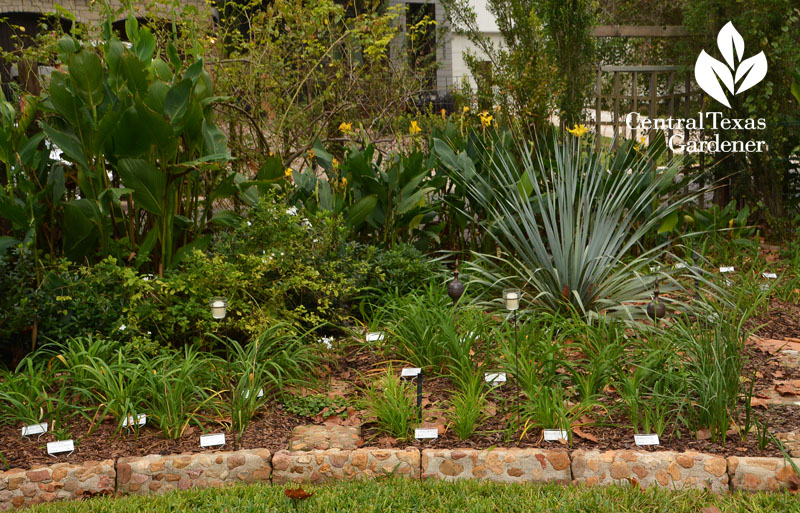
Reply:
x=568, y=224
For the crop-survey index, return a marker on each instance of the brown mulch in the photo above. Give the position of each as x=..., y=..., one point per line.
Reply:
x=271, y=429
x=781, y=321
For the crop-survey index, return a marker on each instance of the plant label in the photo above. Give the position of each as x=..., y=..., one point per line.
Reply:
x=141, y=420
x=426, y=433
x=554, y=435
x=468, y=336
x=60, y=446
x=410, y=372
x=34, y=429
x=726, y=269
x=212, y=440
x=374, y=336
x=770, y=276
x=259, y=395
x=646, y=439
x=495, y=378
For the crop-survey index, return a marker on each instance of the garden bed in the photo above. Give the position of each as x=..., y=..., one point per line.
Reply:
x=272, y=427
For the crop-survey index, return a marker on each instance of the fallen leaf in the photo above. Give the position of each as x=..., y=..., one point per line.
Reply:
x=490, y=409
x=386, y=442
x=758, y=402
x=787, y=389
x=711, y=509
x=703, y=434
x=586, y=436
x=297, y=494
x=633, y=482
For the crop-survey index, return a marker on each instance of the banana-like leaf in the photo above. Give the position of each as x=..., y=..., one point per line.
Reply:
x=148, y=183
x=86, y=77
x=363, y=208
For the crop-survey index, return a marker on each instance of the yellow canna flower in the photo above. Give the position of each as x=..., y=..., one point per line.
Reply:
x=578, y=130
x=335, y=162
x=344, y=182
x=288, y=172
x=414, y=128
x=346, y=128
x=465, y=109
x=486, y=119
x=444, y=114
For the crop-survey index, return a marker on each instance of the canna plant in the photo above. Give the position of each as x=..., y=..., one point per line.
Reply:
x=140, y=134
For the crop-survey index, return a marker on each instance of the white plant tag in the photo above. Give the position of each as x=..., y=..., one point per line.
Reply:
x=554, y=435
x=423, y=433
x=410, y=372
x=646, y=439
x=495, y=378
x=259, y=395
x=60, y=446
x=34, y=429
x=374, y=336
x=212, y=440
x=141, y=420
x=726, y=269
x=770, y=276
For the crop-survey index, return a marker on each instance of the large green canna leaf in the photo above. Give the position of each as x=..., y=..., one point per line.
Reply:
x=68, y=143
x=148, y=183
x=177, y=101
x=62, y=98
x=145, y=47
x=86, y=77
x=359, y=212
x=413, y=200
x=81, y=233
x=134, y=74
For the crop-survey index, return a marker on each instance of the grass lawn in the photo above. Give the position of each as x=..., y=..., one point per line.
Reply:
x=468, y=496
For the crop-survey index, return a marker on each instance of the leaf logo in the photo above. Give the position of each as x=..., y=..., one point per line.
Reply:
x=712, y=74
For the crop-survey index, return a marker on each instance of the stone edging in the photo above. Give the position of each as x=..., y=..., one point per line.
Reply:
x=156, y=474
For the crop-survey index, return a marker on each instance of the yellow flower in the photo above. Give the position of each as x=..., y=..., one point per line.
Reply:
x=335, y=162
x=311, y=153
x=288, y=172
x=444, y=114
x=486, y=118
x=578, y=130
x=346, y=128
x=21, y=28
x=414, y=128
x=344, y=182
x=465, y=109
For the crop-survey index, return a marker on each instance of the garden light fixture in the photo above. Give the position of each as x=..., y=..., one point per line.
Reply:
x=218, y=305
x=656, y=309
x=455, y=289
x=511, y=299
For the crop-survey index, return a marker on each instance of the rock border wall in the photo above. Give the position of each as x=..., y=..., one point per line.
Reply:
x=156, y=474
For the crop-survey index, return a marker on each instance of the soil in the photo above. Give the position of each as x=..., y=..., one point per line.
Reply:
x=355, y=368
x=781, y=321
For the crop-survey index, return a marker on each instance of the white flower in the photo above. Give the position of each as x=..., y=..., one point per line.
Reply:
x=149, y=333
x=327, y=341
x=315, y=240
x=629, y=171
x=249, y=223
x=292, y=211
x=122, y=328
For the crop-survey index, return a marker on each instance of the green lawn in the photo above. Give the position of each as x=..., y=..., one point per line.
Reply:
x=468, y=496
